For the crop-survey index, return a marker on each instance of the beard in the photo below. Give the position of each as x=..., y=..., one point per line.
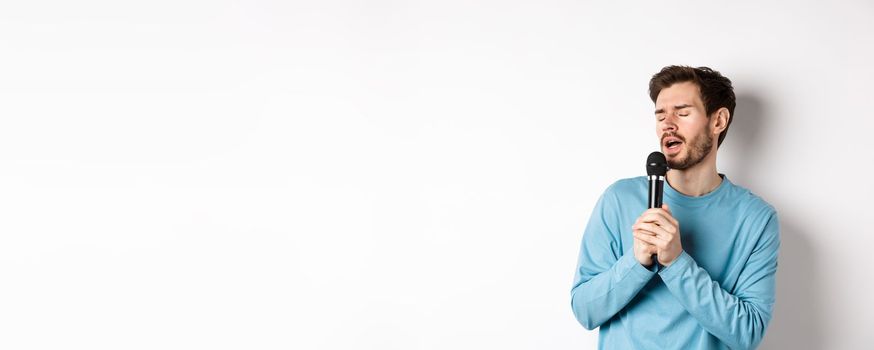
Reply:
x=697, y=152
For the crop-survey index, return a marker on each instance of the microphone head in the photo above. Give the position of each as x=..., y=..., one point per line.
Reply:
x=656, y=164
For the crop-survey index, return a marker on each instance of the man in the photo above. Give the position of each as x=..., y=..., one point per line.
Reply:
x=716, y=243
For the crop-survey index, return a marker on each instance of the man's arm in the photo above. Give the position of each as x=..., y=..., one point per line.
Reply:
x=738, y=319
x=606, y=278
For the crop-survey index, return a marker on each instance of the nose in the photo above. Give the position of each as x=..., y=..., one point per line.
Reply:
x=668, y=124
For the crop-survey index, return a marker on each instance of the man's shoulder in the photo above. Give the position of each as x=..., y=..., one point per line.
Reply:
x=759, y=215
x=754, y=203
x=626, y=185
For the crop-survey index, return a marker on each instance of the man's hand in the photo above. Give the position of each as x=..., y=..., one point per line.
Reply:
x=642, y=251
x=656, y=231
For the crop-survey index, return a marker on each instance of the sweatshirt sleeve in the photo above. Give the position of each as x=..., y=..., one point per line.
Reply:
x=606, y=278
x=738, y=319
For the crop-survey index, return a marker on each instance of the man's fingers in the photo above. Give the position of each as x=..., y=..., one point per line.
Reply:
x=653, y=229
x=666, y=213
x=660, y=218
x=670, y=215
x=658, y=215
x=647, y=247
x=650, y=239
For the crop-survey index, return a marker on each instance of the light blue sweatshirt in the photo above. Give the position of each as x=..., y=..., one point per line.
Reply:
x=718, y=294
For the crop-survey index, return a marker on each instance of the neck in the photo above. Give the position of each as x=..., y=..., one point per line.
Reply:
x=697, y=180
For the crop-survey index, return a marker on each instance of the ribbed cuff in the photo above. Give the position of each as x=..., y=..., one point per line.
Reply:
x=676, y=268
x=629, y=264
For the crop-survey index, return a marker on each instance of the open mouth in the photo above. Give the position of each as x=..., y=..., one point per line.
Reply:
x=672, y=144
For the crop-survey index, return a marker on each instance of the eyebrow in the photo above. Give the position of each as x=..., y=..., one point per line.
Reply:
x=662, y=110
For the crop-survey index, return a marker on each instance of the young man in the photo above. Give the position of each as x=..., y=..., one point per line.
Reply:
x=712, y=286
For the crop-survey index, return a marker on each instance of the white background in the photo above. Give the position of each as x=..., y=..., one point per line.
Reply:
x=397, y=175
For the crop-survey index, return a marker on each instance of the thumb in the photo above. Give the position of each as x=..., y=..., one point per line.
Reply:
x=666, y=208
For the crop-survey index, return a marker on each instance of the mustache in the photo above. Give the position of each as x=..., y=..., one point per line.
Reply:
x=672, y=134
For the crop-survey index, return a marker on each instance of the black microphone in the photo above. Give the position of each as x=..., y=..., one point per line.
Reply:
x=656, y=169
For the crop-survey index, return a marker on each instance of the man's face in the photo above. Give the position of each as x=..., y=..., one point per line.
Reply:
x=682, y=125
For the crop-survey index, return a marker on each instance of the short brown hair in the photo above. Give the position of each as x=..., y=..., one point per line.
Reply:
x=716, y=90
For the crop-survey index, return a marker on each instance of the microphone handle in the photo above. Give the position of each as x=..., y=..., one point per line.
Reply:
x=656, y=190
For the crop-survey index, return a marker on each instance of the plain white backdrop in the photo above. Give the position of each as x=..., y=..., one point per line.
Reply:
x=397, y=174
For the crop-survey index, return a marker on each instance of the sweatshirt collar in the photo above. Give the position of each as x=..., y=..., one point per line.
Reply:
x=683, y=199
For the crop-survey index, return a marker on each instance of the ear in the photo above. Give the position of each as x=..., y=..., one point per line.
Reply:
x=720, y=122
